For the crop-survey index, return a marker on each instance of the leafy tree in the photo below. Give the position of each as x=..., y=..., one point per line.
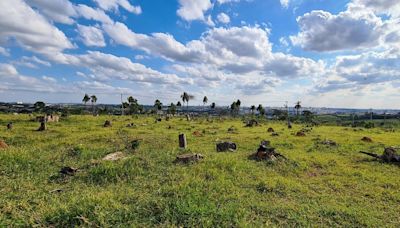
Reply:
x=213, y=105
x=179, y=104
x=172, y=109
x=39, y=106
x=308, y=115
x=157, y=105
x=252, y=108
x=86, y=99
x=134, y=106
x=261, y=110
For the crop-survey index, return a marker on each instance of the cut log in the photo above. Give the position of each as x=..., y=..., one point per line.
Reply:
x=182, y=141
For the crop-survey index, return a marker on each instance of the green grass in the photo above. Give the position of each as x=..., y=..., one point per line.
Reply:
x=318, y=186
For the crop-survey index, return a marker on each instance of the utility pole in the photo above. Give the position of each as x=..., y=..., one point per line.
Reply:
x=122, y=106
x=288, y=117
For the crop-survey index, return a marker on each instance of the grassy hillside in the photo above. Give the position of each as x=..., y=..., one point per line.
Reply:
x=318, y=185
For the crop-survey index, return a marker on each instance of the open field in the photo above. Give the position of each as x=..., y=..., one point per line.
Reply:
x=318, y=185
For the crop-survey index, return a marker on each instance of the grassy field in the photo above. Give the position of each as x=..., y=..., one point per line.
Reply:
x=318, y=185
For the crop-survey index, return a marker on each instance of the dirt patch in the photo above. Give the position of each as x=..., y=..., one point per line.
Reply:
x=3, y=145
x=366, y=139
x=197, y=134
x=300, y=134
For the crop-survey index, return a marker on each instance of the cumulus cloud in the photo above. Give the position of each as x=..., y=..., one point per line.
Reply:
x=30, y=29
x=115, y=4
x=223, y=18
x=191, y=10
x=285, y=3
x=91, y=36
x=61, y=11
x=351, y=29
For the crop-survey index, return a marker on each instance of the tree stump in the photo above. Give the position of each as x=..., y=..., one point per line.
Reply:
x=107, y=124
x=3, y=145
x=270, y=130
x=182, y=141
x=188, y=117
x=188, y=158
x=10, y=126
x=226, y=146
x=42, y=127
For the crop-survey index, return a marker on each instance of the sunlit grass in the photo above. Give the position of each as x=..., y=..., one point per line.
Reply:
x=317, y=186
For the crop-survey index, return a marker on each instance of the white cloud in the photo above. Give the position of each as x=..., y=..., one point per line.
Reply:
x=114, y=4
x=4, y=51
x=223, y=18
x=61, y=11
x=93, y=14
x=190, y=10
x=30, y=29
x=91, y=36
x=285, y=3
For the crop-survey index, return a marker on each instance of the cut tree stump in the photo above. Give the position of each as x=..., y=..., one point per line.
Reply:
x=188, y=158
x=107, y=123
x=389, y=155
x=366, y=139
x=270, y=130
x=10, y=126
x=226, y=146
x=42, y=127
x=266, y=152
x=182, y=141
x=68, y=170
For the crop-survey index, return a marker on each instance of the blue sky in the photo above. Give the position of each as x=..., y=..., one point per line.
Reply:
x=342, y=53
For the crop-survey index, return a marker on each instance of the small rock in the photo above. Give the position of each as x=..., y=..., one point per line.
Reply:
x=114, y=156
x=226, y=146
x=188, y=158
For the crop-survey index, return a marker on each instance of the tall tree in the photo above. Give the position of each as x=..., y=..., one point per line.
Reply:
x=93, y=99
x=39, y=106
x=172, y=109
x=186, y=98
x=252, y=108
x=260, y=109
x=213, y=105
x=157, y=105
x=297, y=107
x=205, y=100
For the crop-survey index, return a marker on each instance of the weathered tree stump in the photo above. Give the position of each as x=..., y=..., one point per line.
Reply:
x=274, y=134
x=188, y=158
x=68, y=170
x=107, y=123
x=187, y=117
x=328, y=142
x=270, y=130
x=226, y=146
x=266, y=152
x=389, y=155
x=300, y=134
x=252, y=123
x=42, y=127
x=10, y=126
x=182, y=141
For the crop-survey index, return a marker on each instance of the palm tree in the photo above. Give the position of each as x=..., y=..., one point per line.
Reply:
x=252, y=108
x=297, y=107
x=186, y=98
x=86, y=99
x=260, y=109
x=205, y=100
x=93, y=100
